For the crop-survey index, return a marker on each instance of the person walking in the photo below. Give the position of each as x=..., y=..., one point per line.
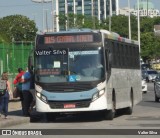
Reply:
x=4, y=100
x=27, y=96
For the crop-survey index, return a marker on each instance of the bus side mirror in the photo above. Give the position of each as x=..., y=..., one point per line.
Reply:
x=30, y=62
x=108, y=60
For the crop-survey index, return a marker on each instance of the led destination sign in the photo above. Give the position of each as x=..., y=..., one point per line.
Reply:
x=68, y=39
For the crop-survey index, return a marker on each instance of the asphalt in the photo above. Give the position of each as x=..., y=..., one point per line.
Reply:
x=15, y=116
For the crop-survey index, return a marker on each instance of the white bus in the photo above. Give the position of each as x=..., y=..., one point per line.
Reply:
x=84, y=71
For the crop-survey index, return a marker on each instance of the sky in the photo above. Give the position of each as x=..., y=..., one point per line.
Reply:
x=35, y=11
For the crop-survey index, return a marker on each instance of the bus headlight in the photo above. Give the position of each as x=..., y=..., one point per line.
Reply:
x=97, y=95
x=38, y=95
x=101, y=92
x=42, y=97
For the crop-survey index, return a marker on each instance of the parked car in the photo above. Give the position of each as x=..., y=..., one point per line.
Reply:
x=145, y=66
x=157, y=88
x=144, y=86
x=149, y=75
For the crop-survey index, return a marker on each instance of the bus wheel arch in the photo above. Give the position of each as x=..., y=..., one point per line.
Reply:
x=129, y=110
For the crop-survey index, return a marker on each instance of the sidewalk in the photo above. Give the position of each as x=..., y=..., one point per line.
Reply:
x=14, y=115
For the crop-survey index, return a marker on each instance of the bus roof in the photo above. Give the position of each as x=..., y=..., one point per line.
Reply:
x=83, y=30
x=115, y=36
x=108, y=34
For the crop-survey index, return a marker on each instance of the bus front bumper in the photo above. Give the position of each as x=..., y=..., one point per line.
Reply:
x=98, y=104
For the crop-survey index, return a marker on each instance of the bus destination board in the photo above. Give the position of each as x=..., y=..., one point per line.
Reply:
x=68, y=39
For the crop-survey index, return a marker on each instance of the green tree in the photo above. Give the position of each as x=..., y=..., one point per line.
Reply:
x=17, y=28
x=78, y=21
x=62, y=21
x=150, y=46
x=3, y=38
x=147, y=24
x=119, y=24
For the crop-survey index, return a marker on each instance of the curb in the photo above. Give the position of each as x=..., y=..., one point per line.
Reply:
x=15, y=116
x=11, y=121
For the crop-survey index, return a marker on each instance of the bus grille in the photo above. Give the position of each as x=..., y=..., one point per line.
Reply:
x=68, y=87
x=60, y=104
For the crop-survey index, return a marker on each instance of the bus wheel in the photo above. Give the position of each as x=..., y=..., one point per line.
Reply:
x=110, y=114
x=156, y=98
x=129, y=109
x=50, y=117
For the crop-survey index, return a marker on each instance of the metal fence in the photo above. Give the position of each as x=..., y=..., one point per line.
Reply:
x=13, y=56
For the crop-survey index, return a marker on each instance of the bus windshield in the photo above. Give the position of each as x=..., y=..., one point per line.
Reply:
x=69, y=65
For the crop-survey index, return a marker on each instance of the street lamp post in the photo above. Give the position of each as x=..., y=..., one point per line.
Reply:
x=110, y=14
x=52, y=16
x=45, y=19
x=66, y=13
x=129, y=19
x=147, y=8
x=138, y=25
x=42, y=2
x=75, y=12
x=93, y=13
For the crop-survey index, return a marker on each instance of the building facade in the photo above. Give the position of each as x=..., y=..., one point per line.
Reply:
x=146, y=8
x=99, y=8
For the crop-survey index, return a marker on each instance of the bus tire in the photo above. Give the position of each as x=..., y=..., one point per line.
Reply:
x=129, y=110
x=147, y=80
x=50, y=117
x=156, y=98
x=110, y=114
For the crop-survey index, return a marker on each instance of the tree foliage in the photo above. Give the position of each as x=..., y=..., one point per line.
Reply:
x=77, y=21
x=17, y=28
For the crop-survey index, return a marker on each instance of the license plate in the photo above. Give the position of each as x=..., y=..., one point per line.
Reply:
x=69, y=105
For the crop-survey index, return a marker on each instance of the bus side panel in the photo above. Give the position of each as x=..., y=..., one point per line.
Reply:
x=121, y=82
